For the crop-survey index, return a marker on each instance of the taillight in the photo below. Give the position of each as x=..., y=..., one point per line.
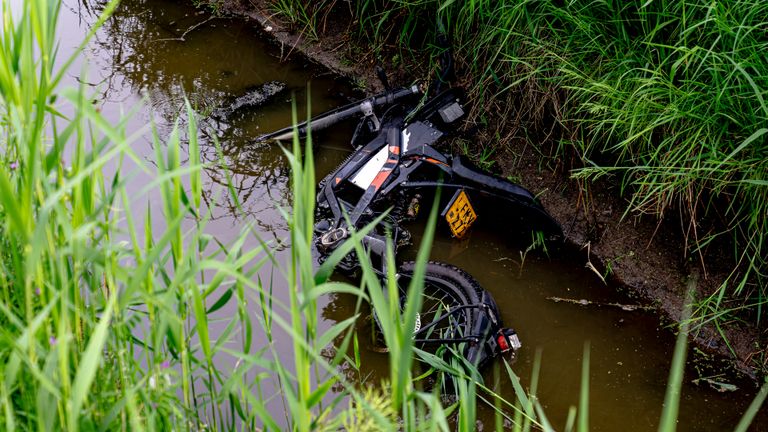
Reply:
x=507, y=340
x=502, y=341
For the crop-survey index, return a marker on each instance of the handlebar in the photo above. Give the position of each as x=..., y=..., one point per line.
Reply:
x=364, y=107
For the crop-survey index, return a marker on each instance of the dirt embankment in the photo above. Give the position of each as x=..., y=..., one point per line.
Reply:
x=644, y=256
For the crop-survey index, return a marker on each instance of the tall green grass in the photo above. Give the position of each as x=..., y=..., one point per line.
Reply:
x=106, y=323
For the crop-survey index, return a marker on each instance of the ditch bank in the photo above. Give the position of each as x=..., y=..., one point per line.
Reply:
x=644, y=256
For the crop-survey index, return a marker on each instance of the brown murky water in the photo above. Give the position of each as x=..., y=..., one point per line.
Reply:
x=165, y=50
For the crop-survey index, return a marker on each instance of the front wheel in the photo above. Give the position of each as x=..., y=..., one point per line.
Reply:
x=456, y=311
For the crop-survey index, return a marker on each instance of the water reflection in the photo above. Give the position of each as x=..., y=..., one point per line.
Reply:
x=167, y=52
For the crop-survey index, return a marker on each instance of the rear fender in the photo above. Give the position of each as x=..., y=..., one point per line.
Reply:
x=517, y=199
x=495, y=197
x=464, y=172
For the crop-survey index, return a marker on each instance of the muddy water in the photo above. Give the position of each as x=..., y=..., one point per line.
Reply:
x=161, y=51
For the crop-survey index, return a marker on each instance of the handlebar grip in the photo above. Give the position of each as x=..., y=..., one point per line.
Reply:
x=393, y=96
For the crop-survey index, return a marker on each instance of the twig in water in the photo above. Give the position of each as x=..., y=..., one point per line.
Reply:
x=181, y=38
x=584, y=302
x=589, y=264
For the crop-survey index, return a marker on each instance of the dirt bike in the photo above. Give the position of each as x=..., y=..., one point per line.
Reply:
x=394, y=168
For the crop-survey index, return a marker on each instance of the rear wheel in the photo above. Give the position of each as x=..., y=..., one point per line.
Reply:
x=455, y=310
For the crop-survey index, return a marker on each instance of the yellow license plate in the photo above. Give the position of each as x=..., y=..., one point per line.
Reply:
x=460, y=214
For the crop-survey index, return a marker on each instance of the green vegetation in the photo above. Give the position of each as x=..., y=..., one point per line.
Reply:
x=106, y=320
x=304, y=19
x=665, y=97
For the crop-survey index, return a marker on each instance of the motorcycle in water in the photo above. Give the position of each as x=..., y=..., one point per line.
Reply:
x=395, y=166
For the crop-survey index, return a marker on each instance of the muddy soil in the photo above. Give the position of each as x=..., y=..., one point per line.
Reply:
x=644, y=255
